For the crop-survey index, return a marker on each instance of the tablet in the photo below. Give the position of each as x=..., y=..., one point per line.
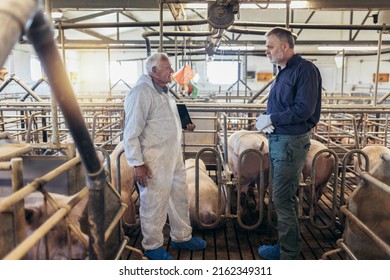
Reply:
x=184, y=115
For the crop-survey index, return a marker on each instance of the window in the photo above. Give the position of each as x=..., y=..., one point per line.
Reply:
x=35, y=68
x=222, y=72
x=127, y=71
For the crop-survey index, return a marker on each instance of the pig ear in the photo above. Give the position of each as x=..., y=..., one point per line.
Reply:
x=32, y=215
x=261, y=146
x=78, y=210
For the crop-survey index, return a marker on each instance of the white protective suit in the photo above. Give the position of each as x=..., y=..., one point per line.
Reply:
x=152, y=136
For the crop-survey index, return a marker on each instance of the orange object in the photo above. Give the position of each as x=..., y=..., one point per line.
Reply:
x=184, y=75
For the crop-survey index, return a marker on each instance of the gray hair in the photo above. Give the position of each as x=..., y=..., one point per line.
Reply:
x=283, y=34
x=154, y=60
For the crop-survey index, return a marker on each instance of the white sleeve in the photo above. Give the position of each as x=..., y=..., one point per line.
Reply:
x=137, y=105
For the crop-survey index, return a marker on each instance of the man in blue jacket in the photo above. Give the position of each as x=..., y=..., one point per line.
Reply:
x=293, y=109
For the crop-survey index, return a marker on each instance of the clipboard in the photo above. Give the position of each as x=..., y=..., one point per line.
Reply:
x=184, y=115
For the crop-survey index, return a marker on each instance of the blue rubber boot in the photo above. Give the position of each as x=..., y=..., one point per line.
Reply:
x=193, y=244
x=269, y=252
x=158, y=254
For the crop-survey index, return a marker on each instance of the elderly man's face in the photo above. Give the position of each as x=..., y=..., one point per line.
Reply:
x=162, y=73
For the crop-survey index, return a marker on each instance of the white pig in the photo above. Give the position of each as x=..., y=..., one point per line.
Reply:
x=238, y=142
x=323, y=169
x=373, y=153
x=371, y=206
x=57, y=237
x=127, y=183
x=208, y=195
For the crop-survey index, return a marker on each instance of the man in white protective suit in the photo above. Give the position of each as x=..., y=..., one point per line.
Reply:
x=152, y=138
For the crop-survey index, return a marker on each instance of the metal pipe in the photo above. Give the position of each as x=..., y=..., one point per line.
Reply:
x=288, y=13
x=383, y=98
x=260, y=92
x=29, y=242
x=345, y=162
x=12, y=77
x=342, y=72
x=372, y=235
x=17, y=184
x=109, y=71
x=378, y=62
x=204, y=107
x=37, y=183
x=378, y=184
x=234, y=29
x=115, y=221
x=161, y=24
x=314, y=26
x=219, y=181
x=54, y=122
x=260, y=191
x=236, y=23
x=41, y=35
x=146, y=34
x=30, y=124
x=93, y=132
x=313, y=190
x=15, y=14
x=129, y=24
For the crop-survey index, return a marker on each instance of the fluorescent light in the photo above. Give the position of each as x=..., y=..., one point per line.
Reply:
x=299, y=4
x=236, y=48
x=293, y=5
x=195, y=6
x=347, y=48
x=56, y=15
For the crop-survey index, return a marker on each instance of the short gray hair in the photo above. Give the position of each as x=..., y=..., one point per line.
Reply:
x=154, y=60
x=283, y=34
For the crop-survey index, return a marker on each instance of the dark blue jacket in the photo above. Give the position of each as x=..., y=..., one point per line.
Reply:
x=294, y=101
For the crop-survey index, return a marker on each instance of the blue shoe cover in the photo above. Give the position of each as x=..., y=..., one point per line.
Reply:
x=158, y=254
x=193, y=244
x=269, y=252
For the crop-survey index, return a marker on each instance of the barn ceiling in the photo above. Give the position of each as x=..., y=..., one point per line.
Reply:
x=198, y=27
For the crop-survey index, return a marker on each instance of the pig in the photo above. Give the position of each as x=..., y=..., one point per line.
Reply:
x=6, y=138
x=324, y=166
x=57, y=237
x=370, y=205
x=373, y=153
x=127, y=185
x=208, y=196
x=238, y=142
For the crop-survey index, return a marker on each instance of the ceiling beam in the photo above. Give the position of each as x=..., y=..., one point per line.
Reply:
x=154, y=4
x=105, y=4
x=348, y=4
x=199, y=43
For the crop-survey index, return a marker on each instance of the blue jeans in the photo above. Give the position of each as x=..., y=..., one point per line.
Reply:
x=287, y=156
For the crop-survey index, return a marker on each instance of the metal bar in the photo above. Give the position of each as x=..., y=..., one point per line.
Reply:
x=378, y=62
x=375, y=238
x=7, y=202
x=129, y=24
x=260, y=191
x=313, y=190
x=19, y=214
x=219, y=180
x=41, y=35
x=51, y=222
x=257, y=94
